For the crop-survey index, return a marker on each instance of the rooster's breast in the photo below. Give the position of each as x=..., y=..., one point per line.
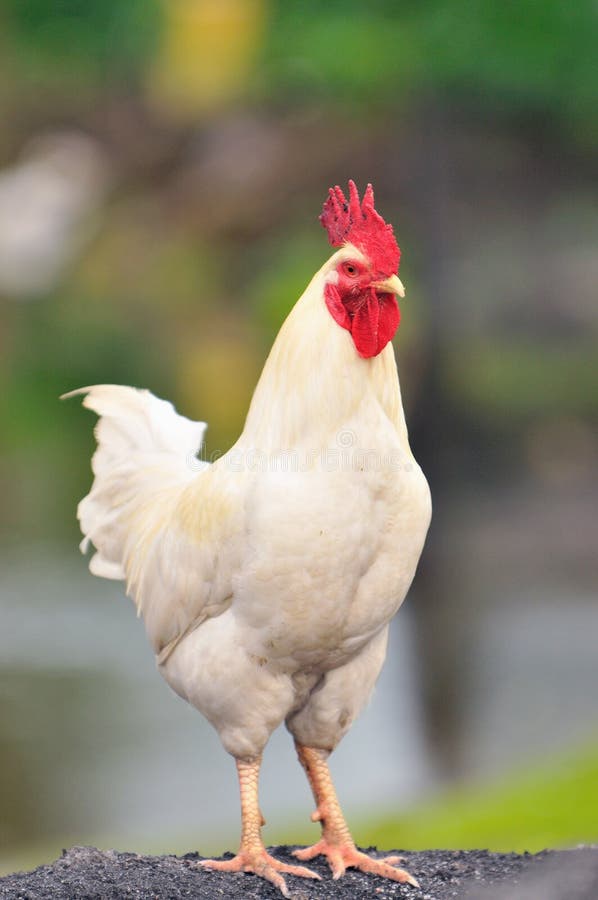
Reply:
x=332, y=545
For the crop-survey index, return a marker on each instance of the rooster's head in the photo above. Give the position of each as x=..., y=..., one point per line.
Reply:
x=362, y=286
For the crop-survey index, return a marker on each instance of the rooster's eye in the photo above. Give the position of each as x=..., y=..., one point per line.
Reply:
x=350, y=269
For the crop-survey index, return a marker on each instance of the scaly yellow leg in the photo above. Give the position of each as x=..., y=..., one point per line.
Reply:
x=252, y=855
x=336, y=842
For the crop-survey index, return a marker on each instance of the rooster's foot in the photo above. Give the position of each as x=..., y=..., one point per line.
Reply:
x=258, y=860
x=342, y=856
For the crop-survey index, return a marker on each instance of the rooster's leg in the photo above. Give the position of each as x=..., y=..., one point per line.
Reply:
x=336, y=842
x=252, y=855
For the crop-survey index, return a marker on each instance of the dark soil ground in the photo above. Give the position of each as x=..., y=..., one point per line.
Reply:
x=84, y=873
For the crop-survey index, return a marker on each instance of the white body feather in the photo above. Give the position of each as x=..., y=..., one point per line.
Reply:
x=276, y=570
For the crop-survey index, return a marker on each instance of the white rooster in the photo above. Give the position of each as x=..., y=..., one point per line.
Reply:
x=267, y=580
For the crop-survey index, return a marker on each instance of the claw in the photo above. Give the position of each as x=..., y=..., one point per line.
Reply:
x=258, y=861
x=346, y=856
x=240, y=863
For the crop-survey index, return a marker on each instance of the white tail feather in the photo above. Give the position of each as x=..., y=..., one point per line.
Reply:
x=146, y=454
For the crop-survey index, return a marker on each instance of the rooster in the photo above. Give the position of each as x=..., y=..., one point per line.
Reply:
x=267, y=579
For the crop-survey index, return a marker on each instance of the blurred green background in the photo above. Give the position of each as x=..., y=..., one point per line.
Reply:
x=162, y=167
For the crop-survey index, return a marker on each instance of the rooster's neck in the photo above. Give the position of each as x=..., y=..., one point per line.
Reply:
x=314, y=384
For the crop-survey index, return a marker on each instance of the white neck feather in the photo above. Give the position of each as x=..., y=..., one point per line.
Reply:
x=314, y=382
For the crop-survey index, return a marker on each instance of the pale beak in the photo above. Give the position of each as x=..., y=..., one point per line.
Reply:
x=392, y=285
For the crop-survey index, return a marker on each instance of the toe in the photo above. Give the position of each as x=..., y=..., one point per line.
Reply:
x=393, y=860
x=267, y=871
x=337, y=863
x=219, y=865
x=299, y=871
x=307, y=853
x=382, y=868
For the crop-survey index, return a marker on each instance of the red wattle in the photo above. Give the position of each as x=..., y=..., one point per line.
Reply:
x=372, y=318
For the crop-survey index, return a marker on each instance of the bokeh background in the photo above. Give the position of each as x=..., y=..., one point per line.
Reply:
x=162, y=166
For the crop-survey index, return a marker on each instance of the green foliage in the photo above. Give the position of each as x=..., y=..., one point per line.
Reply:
x=94, y=39
x=552, y=804
x=532, y=56
x=529, y=56
x=351, y=55
x=536, y=54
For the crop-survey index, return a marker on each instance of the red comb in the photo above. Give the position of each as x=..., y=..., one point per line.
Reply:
x=358, y=223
